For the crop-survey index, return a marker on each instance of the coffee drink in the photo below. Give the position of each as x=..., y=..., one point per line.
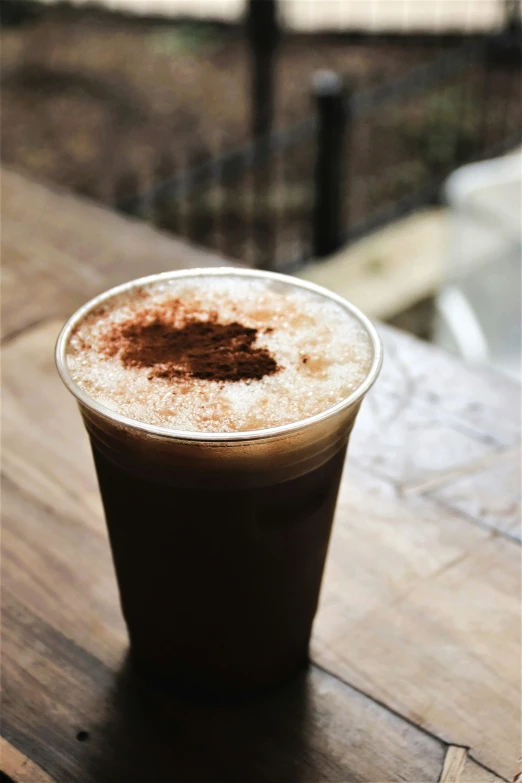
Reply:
x=219, y=405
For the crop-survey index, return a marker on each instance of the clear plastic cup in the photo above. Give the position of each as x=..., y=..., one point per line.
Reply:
x=219, y=540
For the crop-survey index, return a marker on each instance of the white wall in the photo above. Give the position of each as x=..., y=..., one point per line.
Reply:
x=371, y=15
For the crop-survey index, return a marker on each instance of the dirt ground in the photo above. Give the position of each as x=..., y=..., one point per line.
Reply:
x=88, y=95
x=110, y=106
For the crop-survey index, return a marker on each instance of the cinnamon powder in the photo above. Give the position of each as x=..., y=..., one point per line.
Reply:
x=189, y=348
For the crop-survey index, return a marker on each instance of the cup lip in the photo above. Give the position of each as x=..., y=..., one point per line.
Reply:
x=215, y=437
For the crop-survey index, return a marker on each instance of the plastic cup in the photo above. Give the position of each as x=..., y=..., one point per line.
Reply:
x=219, y=540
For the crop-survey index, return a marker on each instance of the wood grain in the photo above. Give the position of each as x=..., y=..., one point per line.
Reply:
x=19, y=768
x=70, y=250
x=431, y=417
x=61, y=608
x=421, y=610
x=454, y=764
x=474, y=773
x=417, y=642
x=390, y=270
x=405, y=611
x=490, y=495
x=315, y=729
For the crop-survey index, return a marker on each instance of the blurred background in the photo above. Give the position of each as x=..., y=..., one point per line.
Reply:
x=368, y=145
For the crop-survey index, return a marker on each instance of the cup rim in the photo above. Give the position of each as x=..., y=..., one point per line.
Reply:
x=215, y=437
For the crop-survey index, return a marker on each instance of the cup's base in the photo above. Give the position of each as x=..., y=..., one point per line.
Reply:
x=189, y=687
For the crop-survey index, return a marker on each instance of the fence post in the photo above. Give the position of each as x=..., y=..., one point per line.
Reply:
x=332, y=104
x=263, y=34
x=512, y=16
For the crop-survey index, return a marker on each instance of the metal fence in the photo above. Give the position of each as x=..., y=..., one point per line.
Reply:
x=359, y=161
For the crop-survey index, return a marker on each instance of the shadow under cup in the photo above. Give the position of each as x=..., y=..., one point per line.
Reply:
x=219, y=540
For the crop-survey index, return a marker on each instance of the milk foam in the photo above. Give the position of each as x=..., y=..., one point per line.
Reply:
x=323, y=351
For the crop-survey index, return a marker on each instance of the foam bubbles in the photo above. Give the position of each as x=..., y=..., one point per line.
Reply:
x=324, y=353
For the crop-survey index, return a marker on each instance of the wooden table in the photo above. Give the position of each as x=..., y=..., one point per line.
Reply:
x=415, y=672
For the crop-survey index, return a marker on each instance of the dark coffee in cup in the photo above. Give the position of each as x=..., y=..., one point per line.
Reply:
x=219, y=405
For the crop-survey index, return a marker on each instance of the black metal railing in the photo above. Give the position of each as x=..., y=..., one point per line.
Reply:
x=361, y=160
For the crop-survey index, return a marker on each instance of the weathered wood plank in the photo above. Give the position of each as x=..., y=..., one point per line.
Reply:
x=315, y=729
x=411, y=592
x=491, y=495
x=49, y=457
x=454, y=764
x=391, y=269
x=47, y=466
x=431, y=417
x=63, y=569
x=58, y=573
x=477, y=398
x=18, y=767
x=71, y=250
x=421, y=610
x=475, y=773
